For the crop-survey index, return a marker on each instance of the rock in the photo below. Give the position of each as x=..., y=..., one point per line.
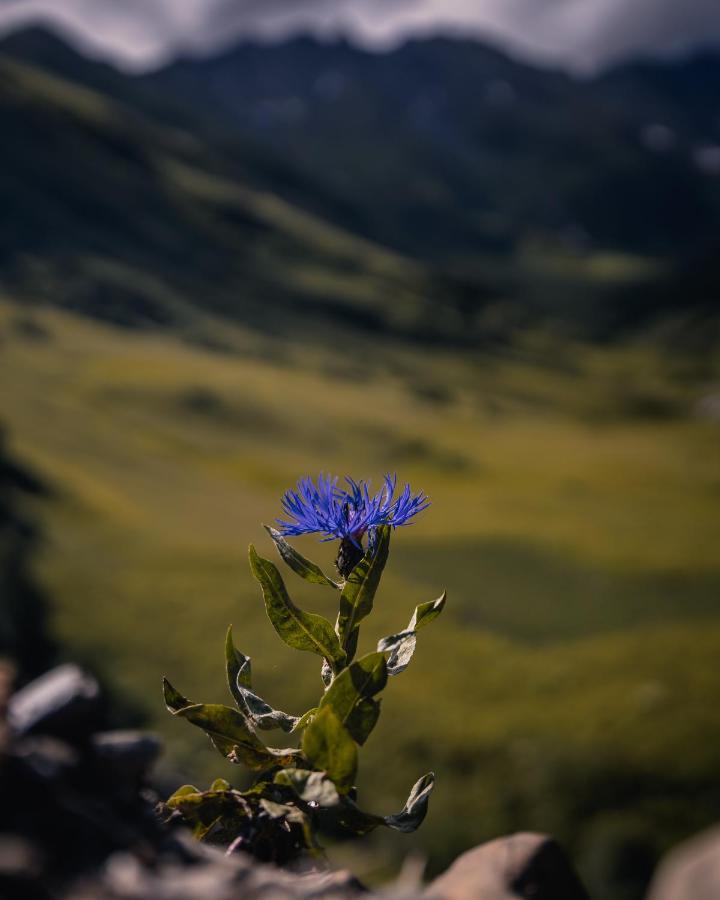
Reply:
x=20, y=870
x=47, y=758
x=526, y=865
x=690, y=871
x=128, y=754
x=339, y=883
x=213, y=875
x=19, y=859
x=64, y=702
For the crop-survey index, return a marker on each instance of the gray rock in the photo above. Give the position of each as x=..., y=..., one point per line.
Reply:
x=127, y=753
x=19, y=859
x=46, y=757
x=64, y=702
x=690, y=871
x=522, y=865
x=213, y=875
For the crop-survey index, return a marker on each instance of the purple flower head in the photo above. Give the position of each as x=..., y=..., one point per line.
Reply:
x=347, y=514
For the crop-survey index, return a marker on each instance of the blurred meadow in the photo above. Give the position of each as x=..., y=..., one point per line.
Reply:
x=179, y=344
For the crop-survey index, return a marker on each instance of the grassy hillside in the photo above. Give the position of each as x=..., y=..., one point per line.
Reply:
x=573, y=677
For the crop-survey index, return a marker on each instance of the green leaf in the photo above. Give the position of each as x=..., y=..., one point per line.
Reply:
x=415, y=809
x=257, y=712
x=183, y=791
x=263, y=716
x=301, y=630
x=174, y=700
x=426, y=613
x=228, y=731
x=220, y=784
x=350, y=695
x=305, y=568
x=350, y=817
x=328, y=747
x=401, y=646
x=351, y=642
x=356, y=599
x=305, y=719
x=311, y=787
x=215, y=813
x=239, y=671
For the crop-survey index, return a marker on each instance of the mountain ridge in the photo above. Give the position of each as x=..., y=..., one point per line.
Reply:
x=509, y=187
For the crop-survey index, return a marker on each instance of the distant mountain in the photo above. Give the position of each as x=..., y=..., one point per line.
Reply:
x=472, y=151
x=118, y=214
x=479, y=183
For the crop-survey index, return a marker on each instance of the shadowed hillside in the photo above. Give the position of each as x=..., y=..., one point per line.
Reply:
x=24, y=636
x=117, y=215
x=472, y=151
x=520, y=189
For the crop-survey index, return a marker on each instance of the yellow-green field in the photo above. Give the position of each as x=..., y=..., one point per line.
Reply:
x=572, y=683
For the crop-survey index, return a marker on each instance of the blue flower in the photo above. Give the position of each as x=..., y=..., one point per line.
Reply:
x=347, y=514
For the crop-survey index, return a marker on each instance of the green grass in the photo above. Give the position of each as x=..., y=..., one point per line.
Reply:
x=574, y=673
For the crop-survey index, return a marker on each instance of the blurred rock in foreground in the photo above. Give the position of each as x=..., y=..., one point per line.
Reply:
x=690, y=871
x=521, y=865
x=79, y=823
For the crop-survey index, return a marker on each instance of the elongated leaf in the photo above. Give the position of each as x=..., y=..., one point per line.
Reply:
x=328, y=746
x=401, y=646
x=415, y=809
x=426, y=613
x=311, y=787
x=183, y=791
x=228, y=731
x=356, y=599
x=239, y=672
x=301, y=630
x=257, y=712
x=350, y=817
x=351, y=642
x=305, y=568
x=263, y=716
x=174, y=700
x=350, y=695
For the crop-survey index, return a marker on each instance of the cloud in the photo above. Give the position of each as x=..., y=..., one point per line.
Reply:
x=129, y=31
x=577, y=33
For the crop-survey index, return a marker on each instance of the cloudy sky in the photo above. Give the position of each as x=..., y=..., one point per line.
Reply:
x=581, y=34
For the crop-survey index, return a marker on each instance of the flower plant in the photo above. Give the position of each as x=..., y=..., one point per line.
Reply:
x=303, y=789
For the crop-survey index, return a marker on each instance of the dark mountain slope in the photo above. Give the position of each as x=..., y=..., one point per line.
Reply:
x=568, y=198
x=116, y=214
x=470, y=150
x=24, y=637
x=682, y=96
